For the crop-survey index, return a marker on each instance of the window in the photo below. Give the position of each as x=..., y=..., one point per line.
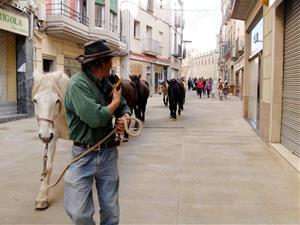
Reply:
x=149, y=31
x=99, y=14
x=136, y=30
x=48, y=65
x=113, y=21
x=161, y=37
x=150, y=5
x=71, y=66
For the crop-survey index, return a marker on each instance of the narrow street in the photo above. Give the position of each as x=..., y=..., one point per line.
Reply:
x=208, y=167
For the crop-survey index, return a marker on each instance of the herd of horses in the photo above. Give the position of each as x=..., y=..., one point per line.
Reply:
x=48, y=95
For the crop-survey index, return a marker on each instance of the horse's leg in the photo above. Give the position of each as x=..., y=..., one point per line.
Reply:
x=137, y=115
x=42, y=197
x=126, y=136
x=179, y=109
x=143, y=110
x=175, y=109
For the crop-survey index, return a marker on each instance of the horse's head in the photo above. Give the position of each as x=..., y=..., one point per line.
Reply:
x=47, y=99
x=135, y=79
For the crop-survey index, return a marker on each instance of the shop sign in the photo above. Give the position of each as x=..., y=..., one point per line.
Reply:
x=14, y=23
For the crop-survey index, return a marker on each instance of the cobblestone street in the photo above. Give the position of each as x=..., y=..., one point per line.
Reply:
x=208, y=167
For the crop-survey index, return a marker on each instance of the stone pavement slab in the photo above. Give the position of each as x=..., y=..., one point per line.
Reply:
x=208, y=167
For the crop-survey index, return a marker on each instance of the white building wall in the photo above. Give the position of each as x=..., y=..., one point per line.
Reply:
x=205, y=65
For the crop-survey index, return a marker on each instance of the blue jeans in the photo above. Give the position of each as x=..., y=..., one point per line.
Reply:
x=101, y=166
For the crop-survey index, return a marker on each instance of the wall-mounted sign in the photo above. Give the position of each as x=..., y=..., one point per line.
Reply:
x=257, y=38
x=14, y=23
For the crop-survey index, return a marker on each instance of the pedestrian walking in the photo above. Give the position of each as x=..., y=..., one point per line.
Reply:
x=200, y=87
x=220, y=90
x=195, y=84
x=89, y=112
x=204, y=85
x=208, y=88
x=225, y=89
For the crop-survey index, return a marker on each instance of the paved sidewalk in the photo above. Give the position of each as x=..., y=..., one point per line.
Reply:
x=208, y=167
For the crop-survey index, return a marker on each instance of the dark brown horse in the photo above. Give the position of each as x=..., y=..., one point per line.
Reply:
x=129, y=92
x=142, y=96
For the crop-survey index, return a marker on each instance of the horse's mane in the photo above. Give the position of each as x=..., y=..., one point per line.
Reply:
x=48, y=81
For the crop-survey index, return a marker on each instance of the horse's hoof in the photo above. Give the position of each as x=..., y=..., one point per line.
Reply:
x=40, y=205
x=174, y=119
x=125, y=139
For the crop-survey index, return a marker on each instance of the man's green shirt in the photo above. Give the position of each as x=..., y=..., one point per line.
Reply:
x=88, y=116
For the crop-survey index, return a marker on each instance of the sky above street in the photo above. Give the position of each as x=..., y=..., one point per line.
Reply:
x=202, y=23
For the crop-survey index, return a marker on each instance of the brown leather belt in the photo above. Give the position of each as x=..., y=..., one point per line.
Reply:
x=104, y=145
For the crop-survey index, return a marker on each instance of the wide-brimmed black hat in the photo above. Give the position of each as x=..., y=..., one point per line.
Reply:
x=97, y=49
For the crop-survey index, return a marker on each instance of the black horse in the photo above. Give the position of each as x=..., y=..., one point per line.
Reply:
x=176, y=93
x=142, y=88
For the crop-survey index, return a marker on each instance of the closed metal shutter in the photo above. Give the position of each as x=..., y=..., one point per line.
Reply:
x=290, y=125
x=8, y=83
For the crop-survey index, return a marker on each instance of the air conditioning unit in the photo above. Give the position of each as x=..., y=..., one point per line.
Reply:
x=41, y=12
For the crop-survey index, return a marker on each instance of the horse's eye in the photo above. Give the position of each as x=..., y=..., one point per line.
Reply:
x=34, y=101
x=57, y=101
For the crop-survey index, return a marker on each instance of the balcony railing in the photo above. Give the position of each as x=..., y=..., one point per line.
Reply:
x=123, y=39
x=99, y=23
x=113, y=27
x=227, y=15
x=151, y=46
x=65, y=10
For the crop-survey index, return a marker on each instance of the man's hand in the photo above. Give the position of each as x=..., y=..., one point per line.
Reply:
x=116, y=99
x=117, y=96
x=119, y=124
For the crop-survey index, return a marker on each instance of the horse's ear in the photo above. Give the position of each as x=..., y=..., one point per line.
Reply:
x=37, y=75
x=131, y=77
x=139, y=76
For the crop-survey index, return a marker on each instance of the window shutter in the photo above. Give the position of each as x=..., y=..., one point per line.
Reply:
x=114, y=6
x=100, y=2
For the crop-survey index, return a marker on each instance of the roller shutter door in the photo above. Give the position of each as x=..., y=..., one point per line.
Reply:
x=290, y=125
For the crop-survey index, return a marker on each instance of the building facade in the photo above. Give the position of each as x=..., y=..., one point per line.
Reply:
x=231, y=47
x=202, y=65
x=15, y=60
x=154, y=30
x=63, y=27
x=271, y=97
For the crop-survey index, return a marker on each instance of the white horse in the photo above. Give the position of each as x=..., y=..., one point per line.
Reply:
x=48, y=95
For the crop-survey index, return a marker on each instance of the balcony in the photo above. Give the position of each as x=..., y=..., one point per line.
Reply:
x=240, y=8
x=151, y=47
x=99, y=23
x=227, y=15
x=178, y=21
x=178, y=51
x=64, y=22
x=113, y=28
x=240, y=45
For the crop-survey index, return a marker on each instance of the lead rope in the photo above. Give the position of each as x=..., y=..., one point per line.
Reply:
x=133, y=132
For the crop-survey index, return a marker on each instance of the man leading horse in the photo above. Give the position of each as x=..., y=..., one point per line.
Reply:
x=90, y=105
